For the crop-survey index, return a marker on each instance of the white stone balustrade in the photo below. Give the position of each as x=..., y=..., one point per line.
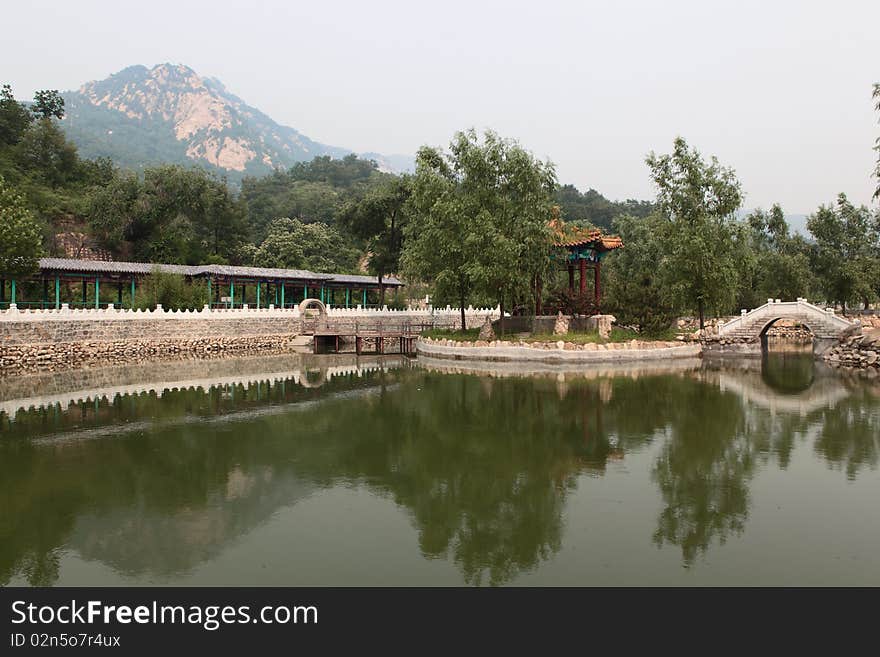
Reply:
x=109, y=313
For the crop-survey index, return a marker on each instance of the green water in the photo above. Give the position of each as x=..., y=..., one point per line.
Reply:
x=411, y=474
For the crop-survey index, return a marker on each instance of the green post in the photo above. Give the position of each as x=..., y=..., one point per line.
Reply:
x=347, y=296
x=259, y=285
x=209, y=293
x=13, y=291
x=232, y=292
x=132, y=292
x=282, y=295
x=57, y=293
x=365, y=297
x=97, y=293
x=306, y=292
x=322, y=294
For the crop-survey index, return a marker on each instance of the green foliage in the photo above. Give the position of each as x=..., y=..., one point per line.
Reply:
x=20, y=235
x=172, y=291
x=877, y=143
x=174, y=215
x=379, y=219
x=310, y=191
x=847, y=251
x=697, y=201
x=48, y=104
x=592, y=208
x=635, y=292
x=479, y=218
x=44, y=150
x=318, y=247
x=14, y=118
x=775, y=263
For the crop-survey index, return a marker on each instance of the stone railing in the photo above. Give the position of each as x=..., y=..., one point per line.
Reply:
x=774, y=308
x=109, y=313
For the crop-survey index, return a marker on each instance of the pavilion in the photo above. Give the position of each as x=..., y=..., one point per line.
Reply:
x=227, y=285
x=583, y=249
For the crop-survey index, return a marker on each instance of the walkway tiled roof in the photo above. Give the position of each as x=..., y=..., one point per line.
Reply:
x=260, y=273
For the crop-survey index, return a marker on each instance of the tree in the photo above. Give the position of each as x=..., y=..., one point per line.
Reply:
x=20, y=235
x=291, y=244
x=781, y=262
x=877, y=143
x=634, y=290
x=698, y=200
x=593, y=208
x=14, y=117
x=379, y=219
x=846, y=251
x=44, y=150
x=48, y=104
x=479, y=217
x=174, y=214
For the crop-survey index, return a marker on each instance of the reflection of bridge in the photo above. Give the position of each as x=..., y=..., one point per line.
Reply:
x=826, y=327
x=824, y=392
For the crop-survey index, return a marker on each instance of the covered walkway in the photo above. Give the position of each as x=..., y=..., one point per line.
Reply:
x=95, y=283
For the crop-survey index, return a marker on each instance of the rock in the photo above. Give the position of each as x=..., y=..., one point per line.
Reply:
x=561, y=325
x=560, y=344
x=603, y=324
x=487, y=333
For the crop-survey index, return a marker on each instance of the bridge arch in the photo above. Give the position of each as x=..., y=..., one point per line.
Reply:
x=826, y=327
x=310, y=306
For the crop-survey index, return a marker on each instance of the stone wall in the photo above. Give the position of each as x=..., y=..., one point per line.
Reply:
x=64, y=339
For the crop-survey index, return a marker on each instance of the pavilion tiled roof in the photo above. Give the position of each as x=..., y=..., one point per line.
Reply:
x=568, y=236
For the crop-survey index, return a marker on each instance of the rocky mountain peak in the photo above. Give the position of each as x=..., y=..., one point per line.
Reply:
x=169, y=113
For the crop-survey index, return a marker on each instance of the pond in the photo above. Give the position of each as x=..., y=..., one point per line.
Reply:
x=330, y=470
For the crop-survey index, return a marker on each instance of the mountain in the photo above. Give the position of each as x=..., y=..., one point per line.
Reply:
x=142, y=116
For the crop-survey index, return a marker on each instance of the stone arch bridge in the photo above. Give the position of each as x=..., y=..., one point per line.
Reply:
x=826, y=327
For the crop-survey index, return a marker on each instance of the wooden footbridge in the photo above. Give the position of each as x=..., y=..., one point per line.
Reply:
x=367, y=337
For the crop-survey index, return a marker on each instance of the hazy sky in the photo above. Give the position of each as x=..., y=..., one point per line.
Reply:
x=780, y=91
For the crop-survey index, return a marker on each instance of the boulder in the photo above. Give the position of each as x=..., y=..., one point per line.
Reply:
x=487, y=333
x=603, y=324
x=561, y=326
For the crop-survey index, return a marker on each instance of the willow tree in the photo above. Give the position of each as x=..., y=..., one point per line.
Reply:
x=698, y=200
x=479, y=218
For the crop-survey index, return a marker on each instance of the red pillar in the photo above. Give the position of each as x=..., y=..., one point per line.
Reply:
x=583, y=265
x=596, y=285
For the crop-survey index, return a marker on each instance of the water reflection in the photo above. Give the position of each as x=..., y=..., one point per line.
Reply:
x=157, y=480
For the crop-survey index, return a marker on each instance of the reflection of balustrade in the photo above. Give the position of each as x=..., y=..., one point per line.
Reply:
x=303, y=376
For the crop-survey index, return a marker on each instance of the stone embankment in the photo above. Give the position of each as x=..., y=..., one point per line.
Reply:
x=60, y=356
x=861, y=350
x=559, y=351
x=55, y=340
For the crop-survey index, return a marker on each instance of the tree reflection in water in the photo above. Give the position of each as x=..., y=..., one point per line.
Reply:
x=483, y=466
